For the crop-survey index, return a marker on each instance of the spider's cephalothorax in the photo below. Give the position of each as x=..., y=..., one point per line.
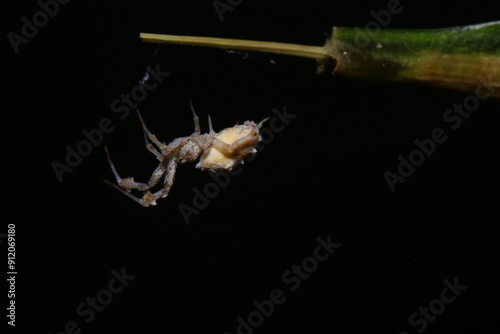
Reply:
x=219, y=151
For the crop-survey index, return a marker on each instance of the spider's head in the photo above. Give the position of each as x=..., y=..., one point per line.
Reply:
x=230, y=147
x=189, y=153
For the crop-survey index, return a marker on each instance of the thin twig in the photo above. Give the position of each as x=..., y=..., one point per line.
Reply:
x=307, y=51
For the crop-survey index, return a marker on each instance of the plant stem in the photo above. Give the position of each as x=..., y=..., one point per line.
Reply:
x=305, y=51
x=460, y=58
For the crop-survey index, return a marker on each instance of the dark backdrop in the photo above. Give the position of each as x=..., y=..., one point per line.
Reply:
x=322, y=176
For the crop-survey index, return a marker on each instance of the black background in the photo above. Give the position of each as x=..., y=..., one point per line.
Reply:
x=322, y=175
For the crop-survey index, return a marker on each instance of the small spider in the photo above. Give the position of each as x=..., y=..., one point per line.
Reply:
x=219, y=151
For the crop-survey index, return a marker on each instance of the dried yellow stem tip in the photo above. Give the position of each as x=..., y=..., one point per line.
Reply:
x=307, y=51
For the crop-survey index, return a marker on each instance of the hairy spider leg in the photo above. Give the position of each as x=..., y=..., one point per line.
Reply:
x=129, y=183
x=169, y=178
x=113, y=169
x=196, y=119
x=210, y=128
x=149, y=146
x=150, y=198
x=262, y=123
x=210, y=137
x=229, y=148
x=203, y=143
x=163, y=147
x=138, y=200
x=152, y=149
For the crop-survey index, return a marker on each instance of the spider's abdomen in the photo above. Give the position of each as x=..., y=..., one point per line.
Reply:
x=244, y=138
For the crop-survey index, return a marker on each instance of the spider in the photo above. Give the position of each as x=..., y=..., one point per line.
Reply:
x=219, y=151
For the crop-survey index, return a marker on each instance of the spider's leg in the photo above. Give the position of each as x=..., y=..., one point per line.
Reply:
x=169, y=178
x=230, y=148
x=124, y=192
x=150, y=198
x=196, y=119
x=210, y=128
x=223, y=146
x=205, y=141
x=129, y=183
x=262, y=123
x=147, y=200
x=152, y=149
x=113, y=169
x=151, y=136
